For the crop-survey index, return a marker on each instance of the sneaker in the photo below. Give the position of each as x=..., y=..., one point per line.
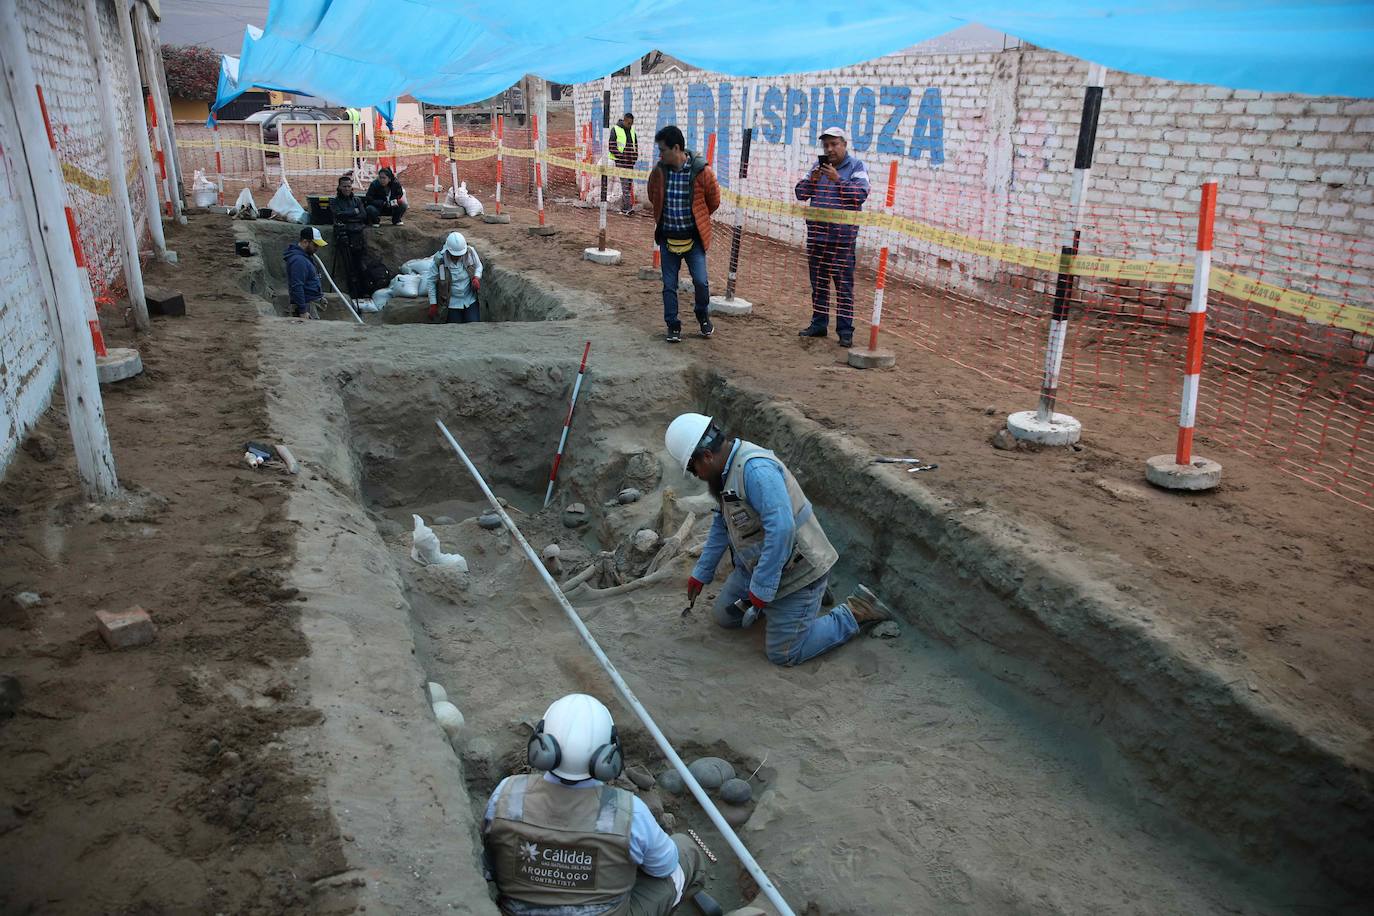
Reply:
x=812, y=330
x=847, y=341
x=673, y=336
x=399, y=222
x=707, y=329
x=867, y=607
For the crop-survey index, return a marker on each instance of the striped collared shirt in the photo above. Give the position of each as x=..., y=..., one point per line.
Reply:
x=677, y=202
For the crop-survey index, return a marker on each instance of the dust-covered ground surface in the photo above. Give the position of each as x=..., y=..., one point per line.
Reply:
x=275, y=754
x=157, y=780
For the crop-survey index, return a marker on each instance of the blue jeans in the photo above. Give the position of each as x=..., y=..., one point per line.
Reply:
x=795, y=633
x=831, y=260
x=464, y=316
x=696, y=266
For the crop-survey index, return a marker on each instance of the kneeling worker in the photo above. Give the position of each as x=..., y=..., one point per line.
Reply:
x=564, y=842
x=781, y=555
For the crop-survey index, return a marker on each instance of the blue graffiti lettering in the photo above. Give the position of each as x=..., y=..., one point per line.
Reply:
x=899, y=97
x=701, y=107
x=796, y=113
x=724, y=109
x=835, y=114
x=929, y=134
x=667, y=113
x=861, y=128
x=772, y=114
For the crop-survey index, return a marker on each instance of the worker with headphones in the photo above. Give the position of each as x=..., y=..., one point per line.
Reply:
x=780, y=554
x=564, y=841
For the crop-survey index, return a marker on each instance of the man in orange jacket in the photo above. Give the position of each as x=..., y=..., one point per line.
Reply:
x=683, y=193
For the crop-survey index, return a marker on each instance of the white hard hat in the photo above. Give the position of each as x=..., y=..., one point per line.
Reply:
x=684, y=435
x=581, y=725
x=456, y=245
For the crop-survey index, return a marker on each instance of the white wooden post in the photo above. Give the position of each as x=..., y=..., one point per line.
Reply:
x=155, y=36
x=67, y=314
x=114, y=161
x=152, y=69
x=140, y=116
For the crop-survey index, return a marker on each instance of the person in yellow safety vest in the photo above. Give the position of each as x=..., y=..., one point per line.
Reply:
x=780, y=555
x=563, y=842
x=625, y=153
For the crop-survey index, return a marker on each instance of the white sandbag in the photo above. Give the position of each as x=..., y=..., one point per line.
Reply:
x=285, y=207
x=244, y=208
x=460, y=197
x=425, y=548
x=200, y=183
x=421, y=266
x=376, y=303
x=407, y=285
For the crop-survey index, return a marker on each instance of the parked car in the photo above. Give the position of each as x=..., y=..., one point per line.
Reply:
x=271, y=118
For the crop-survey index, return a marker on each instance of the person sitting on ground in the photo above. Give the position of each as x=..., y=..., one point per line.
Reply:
x=563, y=841
x=781, y=556
x=385, y=196
x=350, y=243
x=455, y=281
x=683, y=193
x=302, y=278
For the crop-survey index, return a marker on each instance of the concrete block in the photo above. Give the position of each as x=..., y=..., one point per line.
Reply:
x=121, y=363
x=434, y=208
x=167, y=302
x=606, y=256
x=126, y=629
x=1060, y=429
x=730, y=307
x=650, y=273
x=447, y=212
x=541, y=230
x=495, y=217
x=872, y=359
x=1201, y=474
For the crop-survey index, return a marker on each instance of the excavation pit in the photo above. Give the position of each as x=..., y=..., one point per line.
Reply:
x=905, y=774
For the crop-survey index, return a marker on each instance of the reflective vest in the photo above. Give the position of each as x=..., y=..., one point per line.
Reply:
x=621, y=144
x=553, y=846
x=354, y=115
x=810, y=555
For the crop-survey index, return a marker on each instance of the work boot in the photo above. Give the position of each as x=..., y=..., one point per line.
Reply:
x=812, y=330
x=867, y=607
x=707, y=904
x=846, y=340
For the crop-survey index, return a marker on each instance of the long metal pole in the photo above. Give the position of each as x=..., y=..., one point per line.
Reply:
x=605, y=145
x=766, y=886
x=347, y=304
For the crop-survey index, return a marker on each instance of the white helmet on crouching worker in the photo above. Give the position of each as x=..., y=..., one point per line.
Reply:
x=577, y=740
x=456, y=245
x=685, y=437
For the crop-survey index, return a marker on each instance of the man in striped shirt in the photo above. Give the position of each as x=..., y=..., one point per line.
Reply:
x=683, y=193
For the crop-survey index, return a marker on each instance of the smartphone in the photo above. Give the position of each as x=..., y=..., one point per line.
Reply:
x=822, y=159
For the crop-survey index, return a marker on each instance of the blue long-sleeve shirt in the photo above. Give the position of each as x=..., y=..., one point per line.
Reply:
x=765, y=491
x=650, y=847
x=849, y=193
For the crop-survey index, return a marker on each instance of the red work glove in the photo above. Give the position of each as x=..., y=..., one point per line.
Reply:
x=433, y=310
x=756, y=601
x=476, y=282
x=694, y=587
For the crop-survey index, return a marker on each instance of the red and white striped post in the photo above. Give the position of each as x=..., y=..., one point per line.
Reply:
x=219, y=165
x=567, y=424
x=92, y=319
x=873, y=358
x=379, y=142
x=158, y=155
x=500, y=159
x=435, y=162
x=452, y=151
x=538, y=170
x=1182, y=470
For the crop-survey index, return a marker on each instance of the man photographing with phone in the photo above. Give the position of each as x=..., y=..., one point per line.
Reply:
x=838, y=181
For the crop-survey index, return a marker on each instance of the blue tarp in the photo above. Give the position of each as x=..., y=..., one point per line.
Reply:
x=452, y=52
x=230, y=88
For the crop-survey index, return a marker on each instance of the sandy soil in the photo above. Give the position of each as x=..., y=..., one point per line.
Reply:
x=1267, y=575
x=156, y=780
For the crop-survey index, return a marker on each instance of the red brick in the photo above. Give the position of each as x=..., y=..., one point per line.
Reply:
x=126, y=629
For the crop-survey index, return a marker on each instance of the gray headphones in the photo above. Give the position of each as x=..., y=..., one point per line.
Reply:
x=543, y=753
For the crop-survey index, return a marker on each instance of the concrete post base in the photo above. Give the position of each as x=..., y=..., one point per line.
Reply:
x=495, y=217
x=169, y=256
x=447, y=212
x=600, y=256
x=1202, y=474
x=434, y=208
x=872, y=359
x=541, y=230
x=1060, y=429
x=722, y=306
x=121, y=363
x=650, y=273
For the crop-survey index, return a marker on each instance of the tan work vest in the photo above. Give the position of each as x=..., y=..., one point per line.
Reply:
x=811, y=554
x=555, y=846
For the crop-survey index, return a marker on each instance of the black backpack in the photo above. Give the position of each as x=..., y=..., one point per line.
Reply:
x=377, y=274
